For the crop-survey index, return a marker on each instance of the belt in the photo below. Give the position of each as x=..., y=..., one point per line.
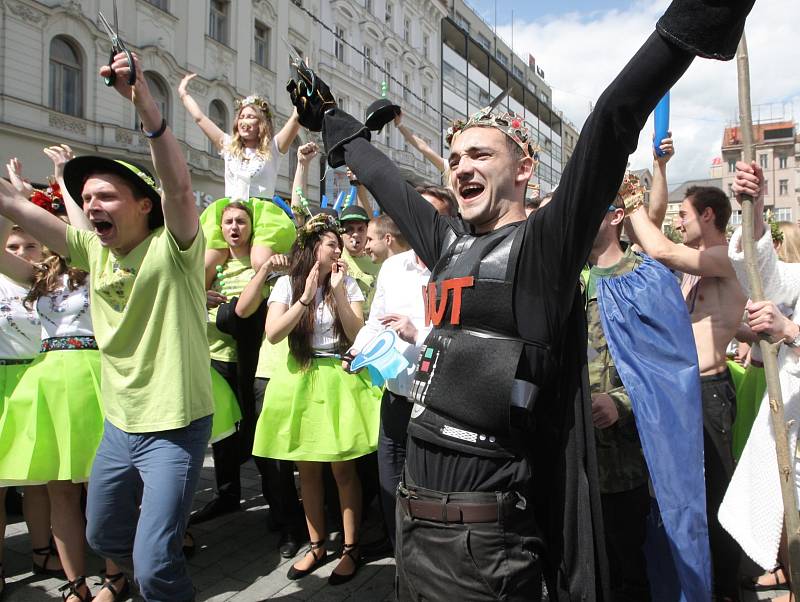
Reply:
x=15, y=362
x=451, y=512
x=68, y=343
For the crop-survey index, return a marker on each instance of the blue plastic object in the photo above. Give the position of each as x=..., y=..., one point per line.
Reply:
x=661, y=118
x=381, y=357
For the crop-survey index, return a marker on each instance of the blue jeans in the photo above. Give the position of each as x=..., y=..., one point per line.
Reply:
x=140, y=495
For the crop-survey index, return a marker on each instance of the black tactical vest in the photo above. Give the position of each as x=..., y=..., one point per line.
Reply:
x=467, y=367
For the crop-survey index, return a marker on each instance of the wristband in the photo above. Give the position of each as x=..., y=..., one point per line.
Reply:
x=158, y=132
x=300, y=301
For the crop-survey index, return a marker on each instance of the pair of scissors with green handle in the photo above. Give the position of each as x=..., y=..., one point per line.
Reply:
x=117, y=46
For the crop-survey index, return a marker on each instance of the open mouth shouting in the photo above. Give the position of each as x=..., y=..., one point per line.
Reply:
x=102, y=227
x=470, y=190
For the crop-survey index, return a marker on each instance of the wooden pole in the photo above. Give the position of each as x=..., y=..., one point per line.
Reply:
x=768, y=349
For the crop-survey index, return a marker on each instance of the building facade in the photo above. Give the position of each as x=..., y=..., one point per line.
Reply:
x=477, y=66
x=777, y=151
x=51, y=52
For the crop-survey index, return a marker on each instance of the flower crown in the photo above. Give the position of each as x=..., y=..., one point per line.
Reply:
x=511, y=124
x=49, y=199
x=321, y=222
x=255, y=100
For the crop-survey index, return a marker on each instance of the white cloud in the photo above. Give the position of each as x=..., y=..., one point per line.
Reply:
x=582, y=52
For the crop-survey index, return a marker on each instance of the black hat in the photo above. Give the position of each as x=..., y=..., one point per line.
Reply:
x=381, y=112
x=354, y=213
x=76, y=171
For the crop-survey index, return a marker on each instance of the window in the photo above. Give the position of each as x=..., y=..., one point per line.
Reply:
x=783, y=214
x=368, y=61
x=462, y=22
x=387, y=67
x=502, y=58
x=342, y=103
x=783, y=187
x=763, y=161
x=783, y=162
x=262, y=38
x=66, y=77
x=160, y=93
x=218, y=21
x=731, y=165
x=484, y=41
x=407, y=30
x=518, y=72
x=426, y=100
x=219, y=116
x=736, y=218
x=162, y=4
x=338, y=44
x=368, y=6
x=426, y=43
x=389, y=10
x=406, y=86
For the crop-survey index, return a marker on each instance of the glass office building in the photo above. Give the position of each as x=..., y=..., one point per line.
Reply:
x=472, y=75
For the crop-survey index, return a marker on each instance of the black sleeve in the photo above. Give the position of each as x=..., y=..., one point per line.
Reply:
x=560, y=235
x=419, y=222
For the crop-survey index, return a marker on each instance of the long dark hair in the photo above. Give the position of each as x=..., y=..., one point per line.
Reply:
x=302, y=259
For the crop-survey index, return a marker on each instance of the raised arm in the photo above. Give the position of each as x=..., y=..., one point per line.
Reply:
x=350, y=313
x=362, y=194
x=305, y=154
x=288, y=133
x=177, y=199
x=39, y=223
x=60, y=154
x=210, y=129
x=659, y=193
x=709, y=262
x=419, y=144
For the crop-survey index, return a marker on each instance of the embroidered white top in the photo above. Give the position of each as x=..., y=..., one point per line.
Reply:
x=65, y=312
x=324, y=339
x=20, y=328
x=251, y=176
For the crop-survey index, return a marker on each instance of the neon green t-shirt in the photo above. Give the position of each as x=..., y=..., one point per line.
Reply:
x=149, y=316
x=230, y=281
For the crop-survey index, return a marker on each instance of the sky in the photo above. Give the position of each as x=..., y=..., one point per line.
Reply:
x=581, y=45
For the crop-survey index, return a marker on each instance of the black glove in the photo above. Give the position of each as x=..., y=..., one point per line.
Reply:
x=310, y=95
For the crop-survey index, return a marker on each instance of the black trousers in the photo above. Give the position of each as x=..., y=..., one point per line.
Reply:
x=469, y=562
x=625, y=521
x=719, y=412
x=277, y=480
x=395, y=414
x=228, y=452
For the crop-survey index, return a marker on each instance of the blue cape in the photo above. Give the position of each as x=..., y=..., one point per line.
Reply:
x=650, y=338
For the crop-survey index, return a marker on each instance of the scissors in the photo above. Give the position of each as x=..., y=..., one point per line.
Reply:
x=117, y=46
x=303, y=70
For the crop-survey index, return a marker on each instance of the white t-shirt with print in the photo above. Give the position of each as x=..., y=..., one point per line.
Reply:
x=251, y=176
x=20, y=328
x=324, y=339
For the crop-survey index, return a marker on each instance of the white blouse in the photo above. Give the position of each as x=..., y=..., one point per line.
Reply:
x=65, y=313
x=20, y=328
x=251, y=176
x=324, y=339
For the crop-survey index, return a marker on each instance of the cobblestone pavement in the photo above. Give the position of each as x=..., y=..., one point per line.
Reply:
x=236, y=559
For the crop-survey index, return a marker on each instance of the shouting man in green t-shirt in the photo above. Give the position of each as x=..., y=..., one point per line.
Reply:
x=145, y=257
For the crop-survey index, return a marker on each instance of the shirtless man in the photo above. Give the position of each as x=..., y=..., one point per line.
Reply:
x=716, y=304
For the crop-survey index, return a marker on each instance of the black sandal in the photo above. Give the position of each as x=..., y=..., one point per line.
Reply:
x=295, y=573
x=41, y=569
x=351, y=550
x=189, y=548
x=754, y=586
x=110, y=580
x=70, y=588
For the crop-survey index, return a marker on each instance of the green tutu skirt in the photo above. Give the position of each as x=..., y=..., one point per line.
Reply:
x=322, y=414
x=271, y=226
x=52, y=423
x=226, y=408
x=750, y=384
x=9, y=377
